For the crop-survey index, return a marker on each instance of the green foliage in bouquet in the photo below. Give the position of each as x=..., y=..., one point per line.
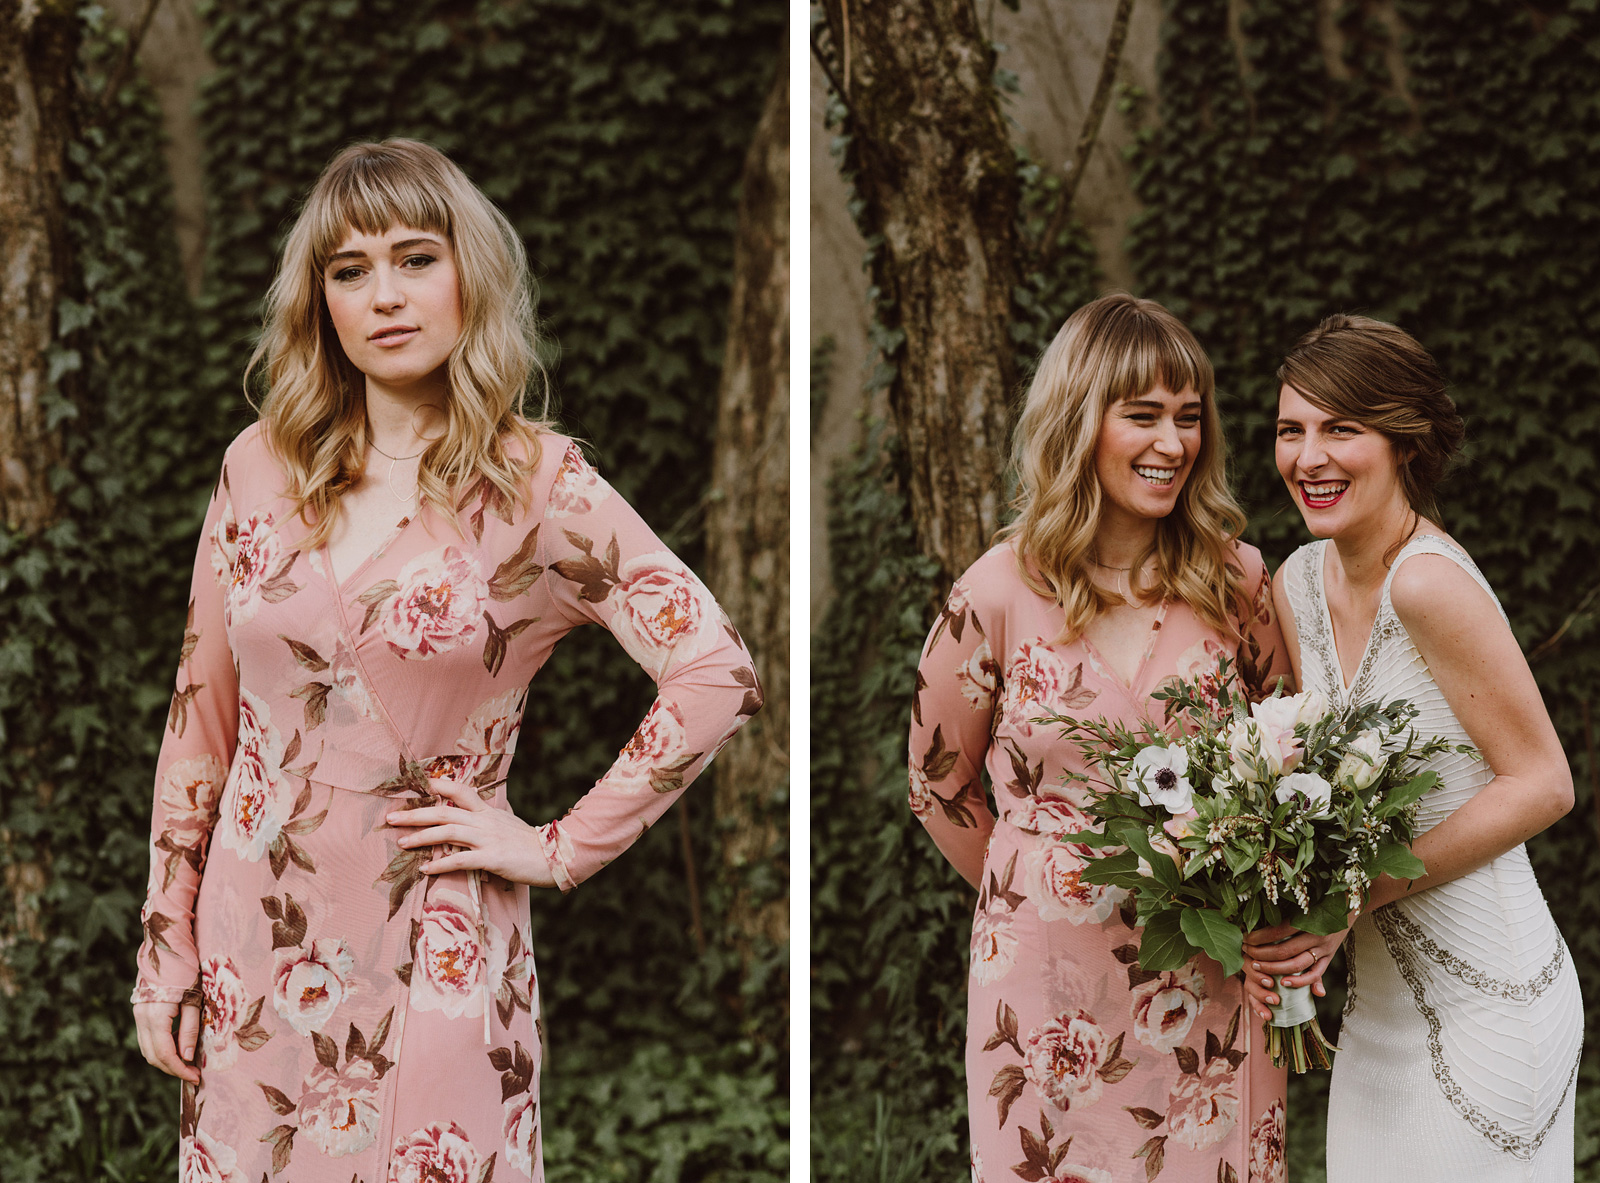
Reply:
x=1261, y=814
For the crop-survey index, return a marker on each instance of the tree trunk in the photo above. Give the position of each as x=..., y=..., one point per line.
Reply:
x=38, y=48
x=937, y=180
x=747, y=527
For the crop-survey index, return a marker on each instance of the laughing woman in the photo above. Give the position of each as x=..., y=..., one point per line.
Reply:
x=338, y=913
x=1463, y=1025
x=1121, y=571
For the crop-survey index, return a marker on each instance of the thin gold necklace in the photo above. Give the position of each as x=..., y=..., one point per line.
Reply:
x=394, y=460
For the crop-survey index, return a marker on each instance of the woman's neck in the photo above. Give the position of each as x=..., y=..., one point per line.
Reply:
x=1364, y=550
x=1121, y=539
x=401, y=422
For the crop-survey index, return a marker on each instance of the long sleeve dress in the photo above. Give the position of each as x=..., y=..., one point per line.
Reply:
x=1081, y=1066
x=361, y=1020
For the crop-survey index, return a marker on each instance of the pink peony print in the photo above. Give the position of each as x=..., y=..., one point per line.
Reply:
x=223, y=1006
x=920, y=795
x=453, y=969
x=1055, y=885
x=664, y=614
x=224, y=545
x=521, y=1129
x=1165, y=1008
x=1268, y=1163
x=203, y=1159
x=1038, y=682
x=1042, y=813
x=309, y=984
x=190, y=791
x=978, y=676
x=994, y=942
x=578, y=488
x=339, y=1109
x=434, y=1154
x=648, y=759
x=438, y=607
x=257, y=801
x=1203, y=1107
x=494, y=726
x=258, y=556
x=1062, y=1059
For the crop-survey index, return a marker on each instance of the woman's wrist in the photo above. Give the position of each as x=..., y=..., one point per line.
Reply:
x=1386, y=890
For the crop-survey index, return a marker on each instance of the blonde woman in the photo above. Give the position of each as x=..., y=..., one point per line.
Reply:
x=1121, y=570
x=338, y=907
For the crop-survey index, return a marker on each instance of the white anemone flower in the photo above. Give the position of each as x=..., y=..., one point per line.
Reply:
x=1160, y=777
x=1317, y=792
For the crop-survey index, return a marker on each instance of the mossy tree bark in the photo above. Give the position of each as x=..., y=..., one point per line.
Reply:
x=936, y=175
x=748, y=530
x=38, y=48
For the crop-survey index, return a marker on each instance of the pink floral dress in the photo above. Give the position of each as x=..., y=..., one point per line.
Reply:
x=1080, y=1065
x=361, y=1020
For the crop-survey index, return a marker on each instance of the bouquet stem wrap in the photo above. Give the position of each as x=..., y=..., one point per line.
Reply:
x=1293, y=1034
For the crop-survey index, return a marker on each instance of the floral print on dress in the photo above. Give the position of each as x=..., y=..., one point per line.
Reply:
x=435, y=605
x=578, y=488
x=437, y=1153
x=303, y=711
x=1204, y=1105
x=1164, y=1009
x=338, y=1110
x=1039, y=682
x=203, y=1159
x=1268, y=1163
x=1054, y=882
x=257, y=800
x=1062, y=1059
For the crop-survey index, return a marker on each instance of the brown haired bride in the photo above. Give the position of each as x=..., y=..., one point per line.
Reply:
x=1123, y=569
x=1460, y=1040
x=338, y=907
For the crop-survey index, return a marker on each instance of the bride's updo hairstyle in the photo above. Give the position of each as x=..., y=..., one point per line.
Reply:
x=1378, y=375
x=314, y=405
x=1109, y=351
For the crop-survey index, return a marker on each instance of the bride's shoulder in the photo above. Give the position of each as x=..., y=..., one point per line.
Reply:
x=1437, y=583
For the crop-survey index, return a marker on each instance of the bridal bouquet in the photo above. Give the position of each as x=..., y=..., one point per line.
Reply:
x=1260, y=813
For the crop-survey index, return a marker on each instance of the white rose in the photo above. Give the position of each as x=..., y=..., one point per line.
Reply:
x=1312, y=705
x=1362, y=773
x=1159, y=777
x=438, y=606
x=1317, y=792
x=1054, y=882
x=994, y=943
x=1275, y=720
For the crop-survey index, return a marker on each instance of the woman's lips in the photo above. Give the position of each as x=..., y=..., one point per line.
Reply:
x=1322, y=494
x=391, y=338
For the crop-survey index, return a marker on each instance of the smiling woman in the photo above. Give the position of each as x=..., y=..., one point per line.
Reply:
x=1121, y=571
x=349, y=962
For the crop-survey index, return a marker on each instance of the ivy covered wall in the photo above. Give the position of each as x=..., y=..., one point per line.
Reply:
x=613, y=136
x=1432, y=164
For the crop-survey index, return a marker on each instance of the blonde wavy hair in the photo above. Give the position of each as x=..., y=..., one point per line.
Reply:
x=314, y=406
x=1114, y=349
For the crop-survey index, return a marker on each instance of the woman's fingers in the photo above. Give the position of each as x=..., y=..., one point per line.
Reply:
x=154, y=1023
x=188, y=1031
x=461, y=860
x=1271, y=936
x=1311, y=976
x=438, y=835
x=462, y=795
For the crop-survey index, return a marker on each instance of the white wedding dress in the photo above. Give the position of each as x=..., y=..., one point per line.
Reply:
x=1461, y=1035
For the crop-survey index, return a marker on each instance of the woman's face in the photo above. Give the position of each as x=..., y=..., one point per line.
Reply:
x=1146, y=448
x=395, y=302
x=1342, y=475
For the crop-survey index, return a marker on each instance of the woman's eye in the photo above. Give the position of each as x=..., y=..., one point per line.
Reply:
x=417, y=262
x=1189, y=421
x=344, y=275
x=1285, y=432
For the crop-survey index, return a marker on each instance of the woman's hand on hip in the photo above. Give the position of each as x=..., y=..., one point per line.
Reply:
x=1299, y=958
x=154, y=1022
x=494, y=840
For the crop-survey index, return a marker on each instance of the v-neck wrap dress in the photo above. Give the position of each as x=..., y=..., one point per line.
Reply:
x=1081, y=1066
x=362, y=1020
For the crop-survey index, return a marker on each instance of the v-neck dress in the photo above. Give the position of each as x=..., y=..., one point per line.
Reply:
x=1080, y=1065
x=1463, y=1025
x=363, y=1021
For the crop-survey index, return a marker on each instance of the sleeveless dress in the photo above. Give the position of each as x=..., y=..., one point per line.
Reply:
x=1081, y=1067
x=362, y=1021
x=1462, y=1031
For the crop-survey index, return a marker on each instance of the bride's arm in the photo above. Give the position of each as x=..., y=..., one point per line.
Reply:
x=1483, y=675
x=1478, y=665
